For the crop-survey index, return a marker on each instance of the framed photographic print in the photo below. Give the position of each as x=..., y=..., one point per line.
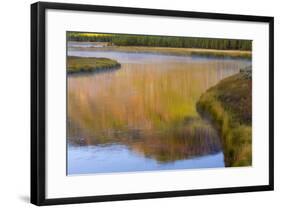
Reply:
x=131, y=103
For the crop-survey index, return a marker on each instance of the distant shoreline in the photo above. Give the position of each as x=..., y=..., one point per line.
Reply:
x=96, y=46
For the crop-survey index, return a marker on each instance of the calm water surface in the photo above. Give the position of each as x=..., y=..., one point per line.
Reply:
x=143, y=117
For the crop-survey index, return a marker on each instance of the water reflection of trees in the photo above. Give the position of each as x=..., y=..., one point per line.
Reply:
x=194, y=137
x=148, y=107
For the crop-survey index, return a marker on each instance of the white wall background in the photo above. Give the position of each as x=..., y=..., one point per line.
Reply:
x=15, y=109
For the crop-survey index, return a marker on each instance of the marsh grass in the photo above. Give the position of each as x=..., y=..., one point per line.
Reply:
x=89, y=64
x=229, y=106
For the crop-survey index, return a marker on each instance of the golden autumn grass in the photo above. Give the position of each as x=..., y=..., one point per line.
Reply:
x=229, y=106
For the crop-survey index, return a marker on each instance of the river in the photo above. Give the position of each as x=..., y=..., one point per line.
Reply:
x=142, y=117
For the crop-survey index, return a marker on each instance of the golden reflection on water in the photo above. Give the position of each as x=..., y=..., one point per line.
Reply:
x=151, y=107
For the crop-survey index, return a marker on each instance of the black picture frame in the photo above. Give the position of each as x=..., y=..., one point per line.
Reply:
x=38, y=102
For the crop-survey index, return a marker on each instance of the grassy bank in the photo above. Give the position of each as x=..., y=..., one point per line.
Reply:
x=177, y=51
x=229, y=106
x=89, y=64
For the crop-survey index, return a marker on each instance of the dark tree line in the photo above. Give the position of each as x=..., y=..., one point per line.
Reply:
x=162, y=41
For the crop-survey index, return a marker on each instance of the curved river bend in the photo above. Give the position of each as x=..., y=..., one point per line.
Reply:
x=143, y=117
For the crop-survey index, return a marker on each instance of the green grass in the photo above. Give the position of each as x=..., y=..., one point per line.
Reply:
x=89, y=64
x=229, y=106
x=188, y=51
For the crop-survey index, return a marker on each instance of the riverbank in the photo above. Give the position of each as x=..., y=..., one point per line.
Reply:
x=90, y=64
x=229, y=105
x=170, y=51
